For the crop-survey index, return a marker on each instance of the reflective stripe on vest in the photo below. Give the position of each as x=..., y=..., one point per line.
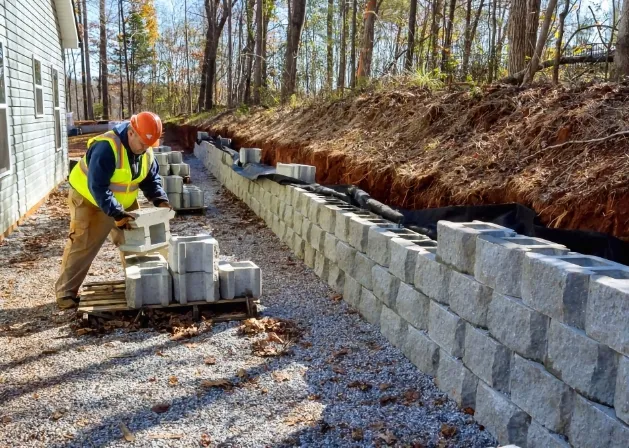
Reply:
x=114, y=187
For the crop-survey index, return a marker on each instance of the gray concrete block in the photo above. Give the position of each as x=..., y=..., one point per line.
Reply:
x=299, y=246
x=248, y=279
x=621, y=397
x=149, y=231
x=173, y=184
x=327, y=217
x=385, y=285
x=197, y=253
x=185, y=197
x=297, y=194
x=175, y=157
x=289, y=236
x=342, y=223
x=275, y=205
x=547, y=399
x=321, y=265
x=457, y=242
x=432, y=277
x=520, y=328
x=305, y=173
x=501, y=417
x=370, y=307
x=196, y=287
x=175, y=169
x=538, y=436
x=499, y=261
x=421, y=351
x=378, y=245
x=184, y=169
x=595, y=426
x=487, y=358
x=309, y=255
x=315, y=205
x=393, y=327
x=403, y=258
x=456, y=381
x=162, y=159
x=359, y=233
x=581, y=362
x=362, y=270
x=250, y=155
x=336, y=278
x=558, y=286
x=345, y=257
x=147, y=281
x=288, y=214
x=175, y=200
x=469, y=298
x=164, y=170
x=227, y=280
x=352, y=291
x=607, y=311
x=306, y=225
x=329, y=247
x=412, y=306
x=446, y=329
x=298, y=220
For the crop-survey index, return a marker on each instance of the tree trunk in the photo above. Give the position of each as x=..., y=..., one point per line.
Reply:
x=559, y=42
x=343, y=50
x=120, y=64
x=436, y=19
x=470, y=35
x=447, y=47
x=215, y=29
x=185, y=21
x=420, y=51
x=205, y=66
x=247, y=51
x=541, y=43
x=621, y=58
x=257, y=78
x=412, y=19
x=517, y=36
x=267, y=20
x=366, y=51
x=492, y=48
x=295, y=26
x=82, y=48
x=532, y=24
x=104, y=81
x=353, y=49
x=329, y=44
x=126, y=60
x=90, y=100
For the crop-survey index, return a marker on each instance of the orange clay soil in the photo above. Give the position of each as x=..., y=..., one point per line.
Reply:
x=411, y=148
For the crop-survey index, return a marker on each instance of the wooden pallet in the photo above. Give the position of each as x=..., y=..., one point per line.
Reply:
x=191, y=210
x=104, y=298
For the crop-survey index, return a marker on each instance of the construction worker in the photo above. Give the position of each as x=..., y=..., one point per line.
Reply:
x=104, y=189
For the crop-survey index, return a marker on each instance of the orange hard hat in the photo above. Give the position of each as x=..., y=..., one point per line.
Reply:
x=148, y=126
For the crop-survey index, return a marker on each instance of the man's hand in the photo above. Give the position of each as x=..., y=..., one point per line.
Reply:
x=123, y=221
x=165, y=204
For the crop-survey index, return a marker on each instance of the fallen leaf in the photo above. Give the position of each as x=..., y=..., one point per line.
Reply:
x=273, y=337
x=336, y=297
x=220, y=383
x=68, y=436
x=83, y=331
x=360, y=385
x=340, y=353
x=58, y=414
x=165, y=436
x=313, y=397
x=384, y=386
x=6, y=419
x=152, y=379
x=411, y=396
x=160, y=408
x=210, y=360
x=448, y=431
x=191, y=345
x=357, y=435
x=387, y=437
x=172, y=380
x=386, y=399
x=205, y=440
x=126, y=434
x=36, y=396
x=439, y=401
x=306, y=344
x=469, y=411
x=280, y=376
x=161, y=353
x=242, y=373
x=50, y=351
x=339, y=370
x=82, y=422
x=377, y=426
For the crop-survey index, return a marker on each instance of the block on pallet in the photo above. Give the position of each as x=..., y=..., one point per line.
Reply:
x=248, y=279
x=164, y=170
x=149, y=231
x=595, y=426
x=469, y=298
x=456, y=380
x=147, y=281
x=250, y=155
x=196, y=287
x=393, y=327
x=487, y=358
x=162, y=149
x=520, y=328
x=621, y=397
x=558, y=286
x=421, y=351
x=547, y=399
x=175, y=200
x=607, y=311
x=175, y=157
x=581, y=362
x=385, y=285
x=352, y=291
x=202, y=135
x=412, y=306
x=500, y=416
x=175, y=169
x=362, y=270
x=499, y=261
x=162, y=159
x=198, y=253
x=227, y=280
x=432, y=277
x=446, y=329
x=370, y=307
x=173, y=184
x=403, y=256
x=185, y=198
x=457, y=242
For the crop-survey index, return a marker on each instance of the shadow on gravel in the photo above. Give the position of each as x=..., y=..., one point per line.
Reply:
x=24, y=322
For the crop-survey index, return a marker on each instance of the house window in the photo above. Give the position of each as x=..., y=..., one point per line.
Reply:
x=57, y=109
x=39, y=88
x=5, y=154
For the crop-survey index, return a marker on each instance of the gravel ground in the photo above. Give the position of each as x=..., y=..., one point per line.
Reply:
x=340, y=384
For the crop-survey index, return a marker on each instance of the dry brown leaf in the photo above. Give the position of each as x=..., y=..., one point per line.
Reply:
x=160, y=408
x=313, y=397
x=336, y=297
x=210, y=360
x=339, y=370
x=273, y=337
x=411, y=396
x=190, y=345
x=386, y=399
x=36, y=396
x=165, y=436
x=242, y=373
x=173, y=380
x=469, y=411
x=448, y=431
x=342, y=352
x=50, y=351
x=6, y=419
x=126, y=434
x=357, y=434
x=56, y=415
x=384, y=386
x=387, y=437
x=306, y=344
x=205, y=440
x=220, y=383
x=82, y=422
x=360, y=385
x=377, y=426
x=161, y=353
x=68, y=436
x=280, y=376
x=152, y=379
x=83, y=331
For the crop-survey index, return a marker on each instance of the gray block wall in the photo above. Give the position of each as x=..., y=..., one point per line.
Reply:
x=531, y=336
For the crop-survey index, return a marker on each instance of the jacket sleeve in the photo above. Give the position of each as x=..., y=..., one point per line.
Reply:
x=151, y=186
x=101, y=167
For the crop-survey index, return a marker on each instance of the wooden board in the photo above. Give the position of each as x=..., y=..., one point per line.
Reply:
x=191, y=210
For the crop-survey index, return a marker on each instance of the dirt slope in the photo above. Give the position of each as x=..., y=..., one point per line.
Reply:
x=412, y=148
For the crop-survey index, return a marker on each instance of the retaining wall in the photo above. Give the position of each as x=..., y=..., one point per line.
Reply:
x=531, y=336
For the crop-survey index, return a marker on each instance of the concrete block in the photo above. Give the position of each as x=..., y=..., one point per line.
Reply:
x=175, y=200
x=558, y=286
x=607, y=311
x=412, y=306
x=255, y=206
x=289, y=211
x=385, y=285
x=487, y=358
x=317, y=202
x=275, y=205
x=469, y=298
x=499, y=261
x=147, y=281
x=149, y=231
x=329, y=247
x=432, y=277
x=297, y=197
x=352, y=291
x=359, y=233
x=446, y=329
x=457, y=242
x=162, y=159
x=327, y=217
x=317, y=237
x=306, y=225
x=175, y=157
x=250, y=155
x=321, y=265
x=362, y=270
x=370, y=307
x=196, y=287
x=393, y=327
x=456, y=381
x=299, y=246
x=309, y=255
x=202, y=135
x=378, y=245
x=595, y=426
x=547, y=399
x=421, y=351
x=289, y=236
x=164, y=170
x=185, y=198
x=248, y=279
x=305, y=173
x=298, y=220
x=621, y=398
x=287, y=195
x=403, y=257
x=175, y=169
x=345, y=257
x=581, y=362
x=342, y=223
x=173, y=184
x=197, y=253
x=520, y=328
x=501, y=417
x=538, y=436
x=336, y=278
x=227, y=280
x=162, y=149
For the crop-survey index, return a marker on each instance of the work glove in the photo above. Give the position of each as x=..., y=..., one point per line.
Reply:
x=122, y=222
x=165, y=204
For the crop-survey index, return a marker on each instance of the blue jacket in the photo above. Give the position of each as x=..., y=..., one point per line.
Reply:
x=102, y=163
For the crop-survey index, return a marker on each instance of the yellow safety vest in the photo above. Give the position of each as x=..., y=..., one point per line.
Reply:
x=124, y=188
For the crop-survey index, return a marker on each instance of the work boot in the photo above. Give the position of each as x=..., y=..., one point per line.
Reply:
x=66, y=303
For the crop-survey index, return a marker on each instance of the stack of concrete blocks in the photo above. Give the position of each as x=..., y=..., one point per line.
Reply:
x=162, y=149
x=147, y=281
x=202, y=135
x=192, y=196
x=150, y=230
x=174, y=190
x=531, y=336
x=250, y=155
x=193, y=262
x=305, y=173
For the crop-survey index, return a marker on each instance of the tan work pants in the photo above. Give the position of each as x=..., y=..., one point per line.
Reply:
x=89, y=227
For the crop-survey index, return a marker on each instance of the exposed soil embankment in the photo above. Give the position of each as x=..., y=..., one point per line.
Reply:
x=415, y=149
